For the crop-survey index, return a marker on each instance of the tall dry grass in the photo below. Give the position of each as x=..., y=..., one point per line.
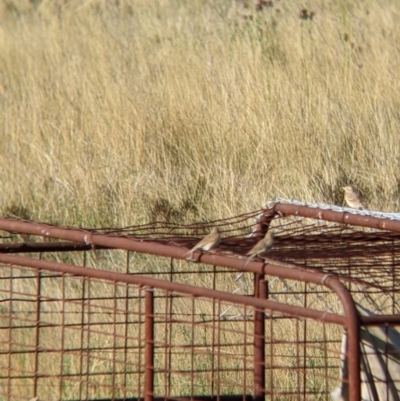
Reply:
x=115, y=113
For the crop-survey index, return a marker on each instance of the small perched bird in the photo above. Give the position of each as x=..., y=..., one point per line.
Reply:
x=262, y=246
x=208, y=242
x=353, y=198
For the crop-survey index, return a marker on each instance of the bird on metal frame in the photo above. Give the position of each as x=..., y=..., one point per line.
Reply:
x=353, y=198
x=209, y=241
x=262, y=246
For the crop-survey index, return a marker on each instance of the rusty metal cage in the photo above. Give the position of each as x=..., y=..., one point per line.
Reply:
x=120, y=314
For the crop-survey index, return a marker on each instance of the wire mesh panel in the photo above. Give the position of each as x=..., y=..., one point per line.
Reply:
x=302, y=356
x=73, y=337
x=197, y=354
x=65, y=337
x=302, y=359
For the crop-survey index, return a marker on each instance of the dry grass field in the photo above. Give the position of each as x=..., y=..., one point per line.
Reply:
x=114, y=113
x=120, y=112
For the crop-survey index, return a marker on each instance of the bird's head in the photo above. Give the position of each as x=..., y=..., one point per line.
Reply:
x=347, y=189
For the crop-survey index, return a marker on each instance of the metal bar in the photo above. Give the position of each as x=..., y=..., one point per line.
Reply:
x=353, y=335
x=37, y=327
x=63, y=337
x=292, y=272
x=298, y=359
x=271, y=389
x=126, y=322
x=169, y=330
x=214, y=320
x=260, y=291
x=32, y=247
x=149, y=346
x=305, y=349
x=380, y=320
x=89, y=359
x=244, y=388
x=338, y=217
x=219, y=342
x=10, y=329
x=263, y=222
x=295, y=311
x=326, y=360
x=140, y=333
x=192, y=347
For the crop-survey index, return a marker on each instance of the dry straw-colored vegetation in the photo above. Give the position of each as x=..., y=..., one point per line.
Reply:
x=120, y=112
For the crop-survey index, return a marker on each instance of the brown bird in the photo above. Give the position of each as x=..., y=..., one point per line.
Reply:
x=262, y=246
x=353, y=198
x=208, y=242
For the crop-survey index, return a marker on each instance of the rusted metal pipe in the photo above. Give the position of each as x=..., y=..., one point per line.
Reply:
x=260, y=291
x=380, y=320
x=149, y=346
x=338, y=217
x=33, y=247
x=263, y=222
x=295, y=311
x=353, y=335
x=155, y=248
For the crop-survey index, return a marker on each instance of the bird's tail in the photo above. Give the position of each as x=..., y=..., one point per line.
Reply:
x=187, y=253
x=248, y=261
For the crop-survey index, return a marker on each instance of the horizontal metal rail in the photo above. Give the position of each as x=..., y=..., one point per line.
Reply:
x=381, y=320
x=35, y=247
x=289, y=271
x=338, y=217
x=296, y=311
